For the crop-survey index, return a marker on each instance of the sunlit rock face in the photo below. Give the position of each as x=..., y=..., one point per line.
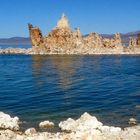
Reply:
x=134, y=45
x=7, y=122
x=63, y=23
x=62, y=40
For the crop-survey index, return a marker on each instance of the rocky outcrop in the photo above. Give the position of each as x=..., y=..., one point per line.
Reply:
x=30, y=131
x=46, y=124
x=138, y=40
x=134, y=45
x=87, y=127
x=63, y=23
x=62, y=40
x=7, y=122
x=35, y=36
x=84, y=123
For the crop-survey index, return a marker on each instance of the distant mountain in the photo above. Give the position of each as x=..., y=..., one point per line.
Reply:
x=15, y=40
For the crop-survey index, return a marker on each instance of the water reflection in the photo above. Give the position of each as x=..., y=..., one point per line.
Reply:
x=62, y=67
x=58, y=87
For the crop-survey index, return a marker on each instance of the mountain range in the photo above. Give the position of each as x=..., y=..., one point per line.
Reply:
x=26, y=40
x=15, y=40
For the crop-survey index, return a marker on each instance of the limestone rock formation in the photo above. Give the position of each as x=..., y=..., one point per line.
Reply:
x=7, y=122
x=62, y=40
x=35, y=36
x=30, y=131
x=46, y=124
x=132, y=42
x=134, y=45
x=84, y=123
x=132, y=121
x=87, y=127
x=138, y=40
x=77, y=33
x=63, y=23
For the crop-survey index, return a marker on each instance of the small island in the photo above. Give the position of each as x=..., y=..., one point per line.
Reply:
x=62, y=40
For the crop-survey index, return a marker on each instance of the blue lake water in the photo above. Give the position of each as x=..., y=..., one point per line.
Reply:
x=38, y=88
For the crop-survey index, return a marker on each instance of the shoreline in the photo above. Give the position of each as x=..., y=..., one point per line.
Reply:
x=31, y=51
x=87, y=127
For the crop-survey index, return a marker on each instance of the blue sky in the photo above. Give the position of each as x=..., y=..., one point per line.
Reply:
x=102, y=16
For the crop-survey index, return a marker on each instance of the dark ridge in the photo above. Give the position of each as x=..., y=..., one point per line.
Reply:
x=26, y=40
x=15, y=40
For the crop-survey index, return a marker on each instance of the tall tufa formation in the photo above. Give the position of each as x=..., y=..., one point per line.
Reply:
x=63, y=22
x=117, y=40
x=62, y=40
x=132, y=42
x=77, y=33
x=35, y=36
x=138, y=40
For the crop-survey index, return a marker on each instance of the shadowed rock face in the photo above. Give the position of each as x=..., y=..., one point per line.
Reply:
x=138, y=40
x=35, y=36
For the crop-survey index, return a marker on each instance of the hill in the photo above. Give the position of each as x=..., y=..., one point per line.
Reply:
x=15, y=40
x=26, y=40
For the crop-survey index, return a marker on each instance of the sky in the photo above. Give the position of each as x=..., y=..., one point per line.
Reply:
x=101, y=16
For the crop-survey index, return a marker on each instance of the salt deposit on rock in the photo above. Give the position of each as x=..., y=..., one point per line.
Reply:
x=46, y=124
x=138, y=106
x=111, y=129
x=30, y=131
x=87, y=127
x=84, y=123
x=132, y=121
x=7, y=122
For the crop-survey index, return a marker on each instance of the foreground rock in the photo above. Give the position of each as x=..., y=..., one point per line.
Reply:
x=132, y=121
x=30, y=131
x=7, y=122
x=84, y=123
x=46, y=124
x=87, y=127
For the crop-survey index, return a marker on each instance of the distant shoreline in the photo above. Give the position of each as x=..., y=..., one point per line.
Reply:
x=30, y=51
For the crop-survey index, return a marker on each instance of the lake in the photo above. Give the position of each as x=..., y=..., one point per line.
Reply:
x=38, y=88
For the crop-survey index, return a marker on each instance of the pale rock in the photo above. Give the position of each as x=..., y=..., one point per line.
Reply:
x=7, y=122
x=46, y=124
x=132, y=121
x=63, y=22
x=30, y=131
x=84, y=123
x=68, y=125
x=99, y=132
x=138, y=106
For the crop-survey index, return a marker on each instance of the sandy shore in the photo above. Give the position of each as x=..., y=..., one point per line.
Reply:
x=87, y=127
